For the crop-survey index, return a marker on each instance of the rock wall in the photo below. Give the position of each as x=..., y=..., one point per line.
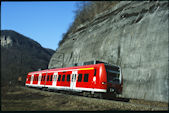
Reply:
x=133, y=35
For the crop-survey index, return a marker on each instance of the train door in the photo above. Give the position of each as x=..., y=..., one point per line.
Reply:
x=39, y=79
x=54, y=79
x=73, y=80
x=32, y=77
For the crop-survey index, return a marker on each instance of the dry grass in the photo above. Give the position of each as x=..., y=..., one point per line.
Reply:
x=29, y=99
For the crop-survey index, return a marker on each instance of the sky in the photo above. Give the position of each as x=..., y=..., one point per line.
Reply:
x=44, y=22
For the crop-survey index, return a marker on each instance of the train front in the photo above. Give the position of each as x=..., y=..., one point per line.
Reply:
x=114, y=79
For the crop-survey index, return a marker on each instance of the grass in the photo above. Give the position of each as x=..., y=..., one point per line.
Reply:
x=30, y=99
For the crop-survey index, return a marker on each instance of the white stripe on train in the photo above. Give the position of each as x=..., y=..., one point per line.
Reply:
x=78, y=89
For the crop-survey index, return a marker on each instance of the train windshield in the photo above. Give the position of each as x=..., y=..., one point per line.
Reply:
x=113, y=74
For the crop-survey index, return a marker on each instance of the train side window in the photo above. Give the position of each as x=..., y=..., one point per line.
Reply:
x=63, y=78
x=48, y=78
x=34, y=79
x=51, y=77
x=42, y=78
x=68, y=77
x=37, y=77
x=94, y=72
x=59, y=77
x=80, y=78
x=45, y=78
x=86, y=77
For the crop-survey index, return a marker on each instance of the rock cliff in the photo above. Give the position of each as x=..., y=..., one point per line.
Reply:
x=133, y=35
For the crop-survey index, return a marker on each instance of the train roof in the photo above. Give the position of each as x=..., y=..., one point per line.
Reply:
x=66, y=68
x=76, y=66
x=90, y=63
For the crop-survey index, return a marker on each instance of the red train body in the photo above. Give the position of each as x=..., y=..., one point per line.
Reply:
x=95, y=78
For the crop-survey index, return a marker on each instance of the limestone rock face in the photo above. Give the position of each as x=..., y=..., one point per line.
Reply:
x=6, y=41
x=133, y=35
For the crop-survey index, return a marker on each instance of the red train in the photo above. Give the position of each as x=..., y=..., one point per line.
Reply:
x=89, y=79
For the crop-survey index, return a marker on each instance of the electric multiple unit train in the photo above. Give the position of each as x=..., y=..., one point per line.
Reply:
x=98, y=78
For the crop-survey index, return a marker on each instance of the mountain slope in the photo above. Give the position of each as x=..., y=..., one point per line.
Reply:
x=20, y=55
